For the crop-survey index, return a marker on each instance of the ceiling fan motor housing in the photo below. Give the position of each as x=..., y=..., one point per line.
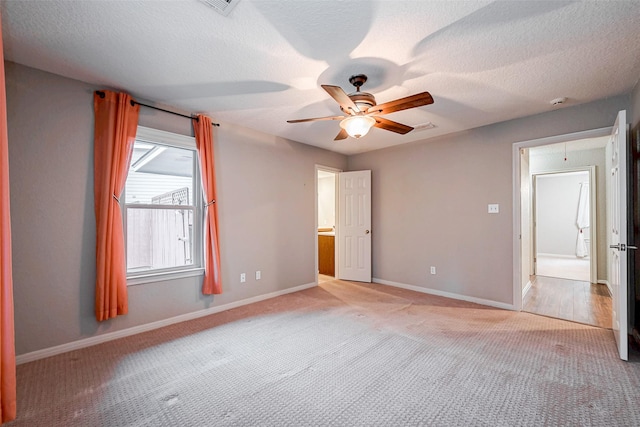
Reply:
x=363, y=100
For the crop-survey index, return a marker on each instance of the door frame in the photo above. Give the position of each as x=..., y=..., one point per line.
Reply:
x=516, y=197
x=593, y=212
x=336, y=172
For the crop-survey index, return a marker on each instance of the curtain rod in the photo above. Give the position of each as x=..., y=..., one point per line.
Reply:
x=101, y=94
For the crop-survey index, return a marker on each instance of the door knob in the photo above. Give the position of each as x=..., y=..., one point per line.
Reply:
x=622, y=247
x=366, y=231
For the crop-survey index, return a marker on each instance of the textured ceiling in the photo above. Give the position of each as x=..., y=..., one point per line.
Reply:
x=483, y=62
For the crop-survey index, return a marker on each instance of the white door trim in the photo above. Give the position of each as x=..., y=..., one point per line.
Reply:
x=515, y=161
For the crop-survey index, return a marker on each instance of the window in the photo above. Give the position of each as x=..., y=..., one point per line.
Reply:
x=162, y=207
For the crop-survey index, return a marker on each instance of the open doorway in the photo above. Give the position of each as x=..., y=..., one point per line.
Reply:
x=564, y=208
x=326, y=204
x=563, y=264
x=343, y=225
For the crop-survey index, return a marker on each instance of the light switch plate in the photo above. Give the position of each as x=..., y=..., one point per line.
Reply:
x=494, y=208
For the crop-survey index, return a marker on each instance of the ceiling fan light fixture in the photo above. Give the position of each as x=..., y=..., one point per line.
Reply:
x=362, y=112
x=357, y=126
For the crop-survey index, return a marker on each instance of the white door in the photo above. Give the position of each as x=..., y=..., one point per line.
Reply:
x=617, y=163
x=354, y=226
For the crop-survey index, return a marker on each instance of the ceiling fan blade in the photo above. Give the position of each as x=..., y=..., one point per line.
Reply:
x=417, y=100
x=396, y=127
x=315, y=119
x=341, y=97
x=341, y=135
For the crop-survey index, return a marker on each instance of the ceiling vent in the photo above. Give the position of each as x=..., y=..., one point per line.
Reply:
x=424, y=126
x=223, y=7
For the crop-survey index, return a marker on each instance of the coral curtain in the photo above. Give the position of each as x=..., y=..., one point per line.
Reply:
x=116, y=121
x=7, y=338
x=212, y=283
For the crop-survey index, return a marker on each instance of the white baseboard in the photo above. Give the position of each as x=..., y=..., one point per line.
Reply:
x=99, y=339
x=606, y=282
x=451, y=295
x=561, y=256
x=526, y=289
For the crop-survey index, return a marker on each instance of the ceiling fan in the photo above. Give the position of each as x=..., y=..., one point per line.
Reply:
x=362, y=112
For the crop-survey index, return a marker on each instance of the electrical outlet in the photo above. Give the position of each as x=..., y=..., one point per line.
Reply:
x=243, y=277
x=433, y=270
x=493, y=208
x=258, y=275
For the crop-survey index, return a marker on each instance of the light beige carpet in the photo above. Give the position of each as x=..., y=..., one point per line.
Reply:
x=342, y=354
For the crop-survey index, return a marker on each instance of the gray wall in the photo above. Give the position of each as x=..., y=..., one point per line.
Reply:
x=430, y=202
x=265, y=201
x=545, y=162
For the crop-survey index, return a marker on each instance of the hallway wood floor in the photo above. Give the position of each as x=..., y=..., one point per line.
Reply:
x=573, y=300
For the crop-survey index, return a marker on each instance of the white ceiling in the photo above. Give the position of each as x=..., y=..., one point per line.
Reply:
x=482, y=61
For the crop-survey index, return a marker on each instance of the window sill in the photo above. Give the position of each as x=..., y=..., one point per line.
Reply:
x=160, y=277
